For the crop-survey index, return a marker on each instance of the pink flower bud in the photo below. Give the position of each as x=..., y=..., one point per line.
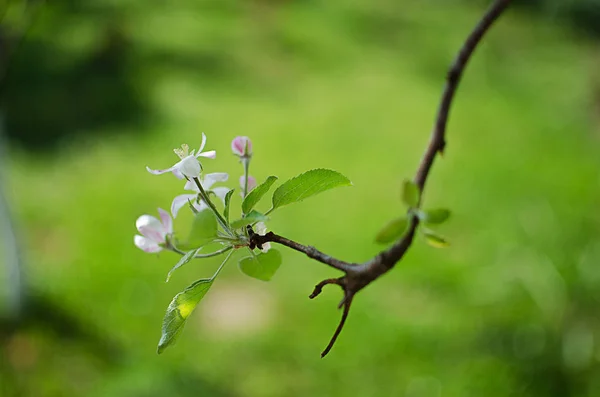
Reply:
x=241, y=146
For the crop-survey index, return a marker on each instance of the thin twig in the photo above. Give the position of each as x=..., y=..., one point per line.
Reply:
x=359, y=276
x=313, y=253
x=347, y=302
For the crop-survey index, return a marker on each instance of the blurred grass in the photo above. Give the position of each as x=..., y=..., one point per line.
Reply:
x=352, y=87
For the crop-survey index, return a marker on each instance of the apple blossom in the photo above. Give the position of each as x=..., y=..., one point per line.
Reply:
x=188, y=166
x=154, y=232
x=241, y=146
x=206, y=182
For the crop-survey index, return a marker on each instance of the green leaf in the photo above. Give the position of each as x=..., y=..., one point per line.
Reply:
x=184, y=259
x=392, y=231
x=262, y=266
x=410, y=194
x=434, y=217
x=227, y=202
x=180, y=308
x=435, y=240
x=204, y=228
x=306, y=185
x=257, y=193
x=250, y=218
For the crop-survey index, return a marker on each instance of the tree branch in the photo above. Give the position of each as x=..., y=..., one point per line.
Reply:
x=358, y=276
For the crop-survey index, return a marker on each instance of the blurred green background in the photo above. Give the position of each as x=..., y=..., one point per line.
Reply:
x=95, y=91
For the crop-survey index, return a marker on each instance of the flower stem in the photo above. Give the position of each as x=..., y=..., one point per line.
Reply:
x=246, y=163
x=222, y=264
x=210, y=204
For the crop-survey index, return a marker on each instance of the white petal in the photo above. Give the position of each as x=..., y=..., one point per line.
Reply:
x=202, y=144
x=211, y=154
x=178, y=174
x=221, y=192
x=260, y=228
x=201, y=206
x=189, y=166
x=266, y=247
x=166, y=220
x=146, y=245
x=151, y=228
x=158, y=172
x=191, y=185
x=210, y=179
x=180, y=201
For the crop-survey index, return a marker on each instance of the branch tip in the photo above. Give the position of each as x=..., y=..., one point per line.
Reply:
x=319, y=287
x=347, y=302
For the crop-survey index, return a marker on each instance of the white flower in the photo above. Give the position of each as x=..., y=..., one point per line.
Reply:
x=261, y=229
x=154, y=232
x=207, y=182
x=188, y=166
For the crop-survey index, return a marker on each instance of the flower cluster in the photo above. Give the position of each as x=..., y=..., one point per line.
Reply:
x=215, y=231
x=156, y=234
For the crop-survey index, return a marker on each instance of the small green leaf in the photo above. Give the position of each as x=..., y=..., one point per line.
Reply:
x=250, y=218
x=257, y=193
x=392, y=231
x=410, y=194
x=227, y=202
x=204, y=228
x=184, y=259
x=434, y=217
x=262, y=266
x=180, y=308
x=434, y=239
x=306, y=185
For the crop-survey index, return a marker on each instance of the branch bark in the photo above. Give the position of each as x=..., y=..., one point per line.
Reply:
x=358, y=276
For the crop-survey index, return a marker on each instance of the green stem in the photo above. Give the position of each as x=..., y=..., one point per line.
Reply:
x=222, y=264
x=210, y=204
x=246, y=162
x=200, y=256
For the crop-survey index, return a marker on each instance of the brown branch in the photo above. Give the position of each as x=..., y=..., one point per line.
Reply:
x=257, y=240
x=358, y=276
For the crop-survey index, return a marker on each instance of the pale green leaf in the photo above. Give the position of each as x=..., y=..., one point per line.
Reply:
x=184, y=259
x=262, y=266
x=306, y=185
x=256, y=194
x=180, y=308
x=227, y=204
x=392, y=231
x=434, y=239
x=434, y=217
x=410, y=194
x=204, y=228
x=250, y=218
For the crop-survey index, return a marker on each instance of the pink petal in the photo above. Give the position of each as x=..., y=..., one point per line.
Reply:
x=251, y=182
x=180, y=201
x=241, y=146
x=151, y=228
x=146, y=245
x=166, y=220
